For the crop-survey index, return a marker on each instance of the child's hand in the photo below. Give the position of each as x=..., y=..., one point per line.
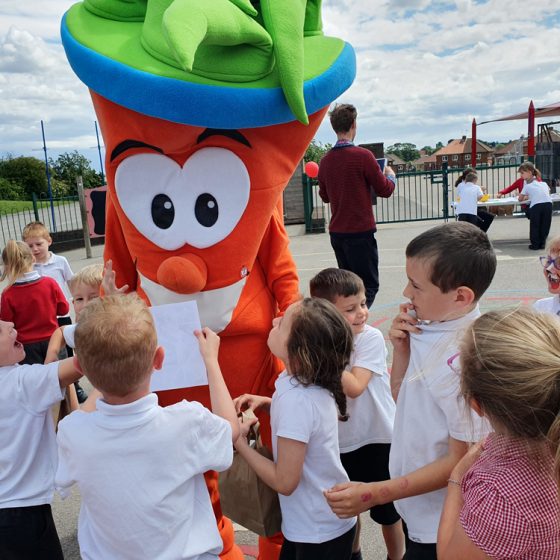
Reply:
x=401, y=327
x=350, y=498
x=251, y=402
x=108, y=283
x=209, y=344
x=466, y=462
x=245, y=424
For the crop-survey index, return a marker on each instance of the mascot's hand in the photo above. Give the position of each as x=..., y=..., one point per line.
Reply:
x=108, y=284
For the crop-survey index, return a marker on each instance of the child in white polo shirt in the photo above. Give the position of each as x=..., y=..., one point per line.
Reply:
x=448, y=267
x=139, y=467
x=365, y=439
x=28, y=450
x=468, y=195
x=540, y=205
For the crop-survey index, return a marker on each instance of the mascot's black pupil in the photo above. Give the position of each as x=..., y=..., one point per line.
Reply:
x=163, y=211
x=206, y=210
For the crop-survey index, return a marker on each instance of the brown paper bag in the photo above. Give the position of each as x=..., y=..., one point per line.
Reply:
x=245, y=498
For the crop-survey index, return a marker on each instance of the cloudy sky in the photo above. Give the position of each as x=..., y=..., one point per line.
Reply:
x=425, y=69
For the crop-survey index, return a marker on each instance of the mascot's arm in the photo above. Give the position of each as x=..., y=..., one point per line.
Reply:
x=116, y=250
x=277, y=263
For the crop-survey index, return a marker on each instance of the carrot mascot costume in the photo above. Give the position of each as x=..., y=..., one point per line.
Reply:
x=206, y=107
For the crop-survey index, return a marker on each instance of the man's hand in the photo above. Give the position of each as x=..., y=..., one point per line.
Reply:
x=389, y=171
x=351, y=498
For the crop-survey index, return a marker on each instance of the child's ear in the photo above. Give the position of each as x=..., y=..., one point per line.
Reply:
x=158, y=357
x=464, y=295
x=77, y=365
x=49, y=240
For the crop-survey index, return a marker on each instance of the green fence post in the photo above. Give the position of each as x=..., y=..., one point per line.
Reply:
x=35, y=208
x=307, y=203
x=445, y=187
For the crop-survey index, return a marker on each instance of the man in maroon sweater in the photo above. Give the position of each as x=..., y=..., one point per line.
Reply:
x=348, y=175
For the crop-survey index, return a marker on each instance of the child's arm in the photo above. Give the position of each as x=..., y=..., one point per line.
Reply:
x=402, y=325
x=220, y=399
x=89, y=405
x=62, y=306
x=282, y=476
x=67, y=372
x=56, y=343
x=350, y=498
x=452, y=542
x=355, y=381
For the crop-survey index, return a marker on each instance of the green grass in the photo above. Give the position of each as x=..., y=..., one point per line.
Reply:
x=11, y=206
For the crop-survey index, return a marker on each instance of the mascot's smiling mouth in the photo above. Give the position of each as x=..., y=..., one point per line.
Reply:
x=214, y=306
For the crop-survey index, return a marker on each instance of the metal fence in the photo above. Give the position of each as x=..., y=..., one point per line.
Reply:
x=62, y=216
x=423, y=195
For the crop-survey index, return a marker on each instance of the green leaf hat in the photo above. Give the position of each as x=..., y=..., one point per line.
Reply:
x=212, y=63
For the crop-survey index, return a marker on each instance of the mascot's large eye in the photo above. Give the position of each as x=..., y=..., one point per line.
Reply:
x=206, y=210
x=198, y=204
x=163, y=211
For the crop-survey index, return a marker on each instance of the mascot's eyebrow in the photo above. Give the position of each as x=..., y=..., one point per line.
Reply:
x=129, y=144
x=233, y=134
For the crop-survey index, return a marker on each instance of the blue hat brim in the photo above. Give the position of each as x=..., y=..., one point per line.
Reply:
x=199, y=104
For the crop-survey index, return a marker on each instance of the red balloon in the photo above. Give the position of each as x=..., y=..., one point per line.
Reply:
x=311, y=169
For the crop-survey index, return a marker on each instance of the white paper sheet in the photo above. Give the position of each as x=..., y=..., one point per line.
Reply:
x=183, y=365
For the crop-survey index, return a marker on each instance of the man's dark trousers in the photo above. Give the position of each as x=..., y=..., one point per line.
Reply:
x=358, y=252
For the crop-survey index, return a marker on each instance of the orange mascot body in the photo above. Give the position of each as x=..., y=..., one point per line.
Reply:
x=196, y=168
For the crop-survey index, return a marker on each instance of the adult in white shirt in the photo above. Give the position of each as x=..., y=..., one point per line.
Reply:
x=540, y=205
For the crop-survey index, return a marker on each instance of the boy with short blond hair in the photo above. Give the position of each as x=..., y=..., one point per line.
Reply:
x=37, y=236
x=449, y=268
x=365, y=439
x=136, y=457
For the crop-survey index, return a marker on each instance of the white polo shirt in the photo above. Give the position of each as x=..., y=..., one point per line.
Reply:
x=27, y=440
x=548, y=305
x=309, y=414
x=537, y=191
x=139, y=470
x=429, y=411
x=468, y=195
x=371, y=415
x=58, y=269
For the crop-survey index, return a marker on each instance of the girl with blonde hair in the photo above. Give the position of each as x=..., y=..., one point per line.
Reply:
x=30, y=302
x=502, y=499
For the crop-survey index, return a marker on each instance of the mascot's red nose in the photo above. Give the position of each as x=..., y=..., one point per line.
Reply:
x=186, y=274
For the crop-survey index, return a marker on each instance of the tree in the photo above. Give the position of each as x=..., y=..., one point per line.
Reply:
x=315, y=151
x=27, y=173
x=10, y=190
x=404, y=150
x=428, y=150
x=69, y=166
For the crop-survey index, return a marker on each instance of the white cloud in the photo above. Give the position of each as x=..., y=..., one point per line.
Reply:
x=425, y=68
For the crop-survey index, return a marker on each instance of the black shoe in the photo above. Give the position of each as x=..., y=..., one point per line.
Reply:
x=80, y=393
x=356, y=555
x=541, y=247
x=533, y=248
